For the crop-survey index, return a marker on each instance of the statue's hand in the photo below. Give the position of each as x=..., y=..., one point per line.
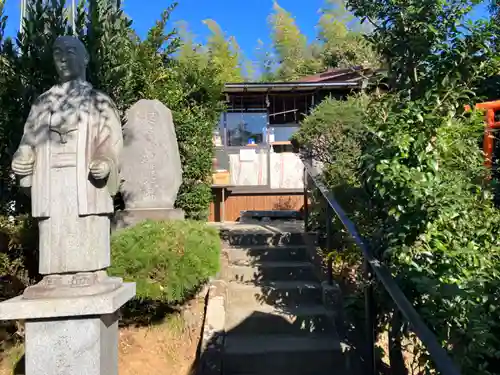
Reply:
x=99, y=169
x=23, y=162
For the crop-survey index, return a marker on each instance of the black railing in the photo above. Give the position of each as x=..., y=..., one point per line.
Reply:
x=374, y=269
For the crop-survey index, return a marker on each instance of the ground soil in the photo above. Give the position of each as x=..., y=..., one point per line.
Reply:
x=161, y=349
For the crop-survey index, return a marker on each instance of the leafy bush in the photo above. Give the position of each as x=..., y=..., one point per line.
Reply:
x=334, y=134
x=18, y=266
x=18, y=255
x=168, y=260
x=429, y=214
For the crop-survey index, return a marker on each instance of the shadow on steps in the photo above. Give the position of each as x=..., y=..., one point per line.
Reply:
x=275, y=322
x=244, y=353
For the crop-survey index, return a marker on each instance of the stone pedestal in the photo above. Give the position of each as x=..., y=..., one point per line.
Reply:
x=70, y=336
x=131, y=217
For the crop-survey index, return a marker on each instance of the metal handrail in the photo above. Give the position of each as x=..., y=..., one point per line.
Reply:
x=439, y=355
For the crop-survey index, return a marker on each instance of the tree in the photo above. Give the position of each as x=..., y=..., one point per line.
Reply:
x=292, y=52
x=6, y=80
x=342, y=38
x=224, y=53
x=189, y=49
x=424, y=172
x=265, y=63
x=340, y=43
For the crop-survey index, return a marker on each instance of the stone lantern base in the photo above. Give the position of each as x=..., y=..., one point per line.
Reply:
x=70, y=336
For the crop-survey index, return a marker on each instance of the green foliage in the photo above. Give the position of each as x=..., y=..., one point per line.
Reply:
x=290, y=45
x=194, y=138
x=423, y=170
x=168, y=260
x=334, y=135
x=110, y=44
x=224, y=54
x=340, y=44
x=422, y=197
x=18, y=255
x=428, y=43
x=343, y=38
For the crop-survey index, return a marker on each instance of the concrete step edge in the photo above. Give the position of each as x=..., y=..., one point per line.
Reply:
x=260, y=284
x=279, y=247
x=278, y=285
x=287, y=312
x=271, y=264
x=261, y=344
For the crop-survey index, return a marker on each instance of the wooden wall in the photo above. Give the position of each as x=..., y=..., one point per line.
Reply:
x=256, y=201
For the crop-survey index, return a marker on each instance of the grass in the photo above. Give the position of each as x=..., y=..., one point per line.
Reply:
x=163, y=349
x=10, y=358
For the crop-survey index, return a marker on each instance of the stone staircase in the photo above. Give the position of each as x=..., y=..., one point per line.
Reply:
x=275, y=320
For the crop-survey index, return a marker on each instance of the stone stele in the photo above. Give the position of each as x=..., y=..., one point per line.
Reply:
x=151, y=168
x=69, y=159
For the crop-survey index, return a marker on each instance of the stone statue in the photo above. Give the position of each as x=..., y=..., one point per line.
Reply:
x=69, y=158
x=151, y=165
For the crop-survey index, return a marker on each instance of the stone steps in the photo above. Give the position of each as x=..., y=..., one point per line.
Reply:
x=282, y=293
x=272, y=271
x=267, y=319
x=275, y=322
x=251, y=238
x=285, y=253
x=284, y=354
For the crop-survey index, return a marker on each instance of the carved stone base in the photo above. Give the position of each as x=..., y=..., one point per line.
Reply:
x=73, y=285
x=131, y=217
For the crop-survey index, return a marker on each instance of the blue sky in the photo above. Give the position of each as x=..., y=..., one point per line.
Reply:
x=246, y=20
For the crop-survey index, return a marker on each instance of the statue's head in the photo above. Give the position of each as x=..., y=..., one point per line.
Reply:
x=70, y=57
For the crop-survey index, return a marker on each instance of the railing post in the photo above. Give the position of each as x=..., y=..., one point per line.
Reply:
x=306, y=201
x=370, y=321
x=329, y=245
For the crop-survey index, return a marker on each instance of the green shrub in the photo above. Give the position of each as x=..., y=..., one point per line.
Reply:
x=168, y=260
x=18, y=255
x=334, y=134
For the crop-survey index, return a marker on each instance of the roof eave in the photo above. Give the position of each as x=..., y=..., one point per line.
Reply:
x=288, y=86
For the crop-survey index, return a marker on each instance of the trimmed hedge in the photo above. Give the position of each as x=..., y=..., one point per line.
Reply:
x=168, y=260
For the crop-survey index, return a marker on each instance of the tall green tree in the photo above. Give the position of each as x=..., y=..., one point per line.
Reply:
x=423, y=170
x=292, y=53
x=189, y=49
x=7, y=79
x=265, y=63
x=342, y=38
x=224, y=53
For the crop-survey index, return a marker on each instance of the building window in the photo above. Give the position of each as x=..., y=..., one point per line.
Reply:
x=283, y=133
x=243, y=129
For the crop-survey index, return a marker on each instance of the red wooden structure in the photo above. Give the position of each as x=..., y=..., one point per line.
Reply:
x=491, y=125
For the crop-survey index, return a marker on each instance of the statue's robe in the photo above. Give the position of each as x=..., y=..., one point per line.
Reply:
x=69, y=126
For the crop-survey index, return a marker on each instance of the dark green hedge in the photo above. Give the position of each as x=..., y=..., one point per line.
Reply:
x=168, y=260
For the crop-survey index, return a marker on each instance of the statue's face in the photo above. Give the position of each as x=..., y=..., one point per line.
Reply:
x=69, y=59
